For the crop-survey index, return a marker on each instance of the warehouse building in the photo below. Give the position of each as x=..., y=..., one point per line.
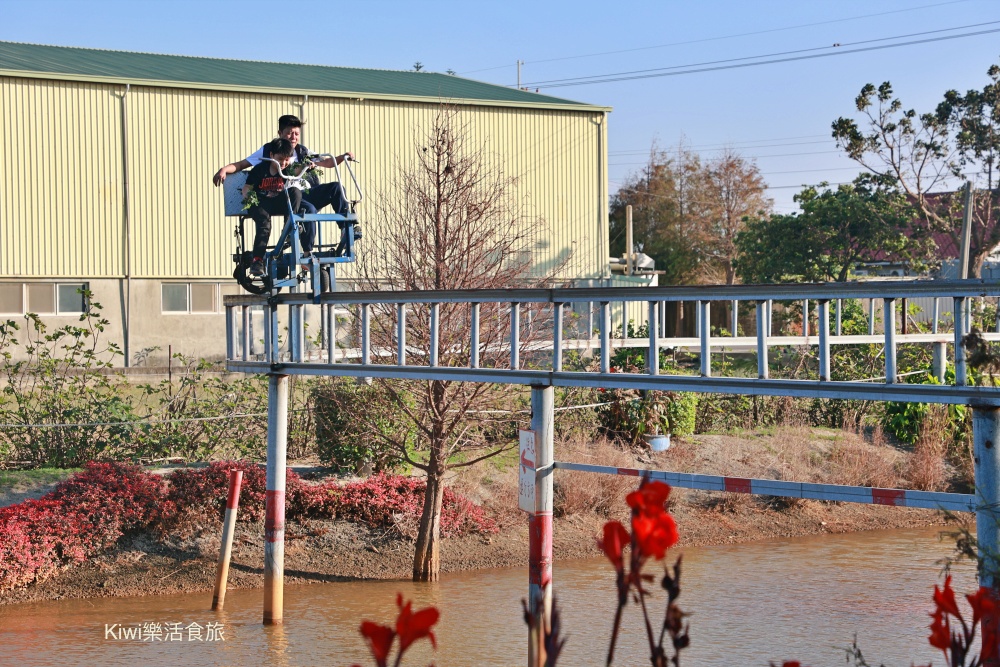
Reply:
x=109, y=158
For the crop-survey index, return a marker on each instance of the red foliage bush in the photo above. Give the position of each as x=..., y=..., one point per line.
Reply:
x=89, y=512
x=81, y=517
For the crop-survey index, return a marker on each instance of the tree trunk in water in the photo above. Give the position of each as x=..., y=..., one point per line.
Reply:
x=426, y=557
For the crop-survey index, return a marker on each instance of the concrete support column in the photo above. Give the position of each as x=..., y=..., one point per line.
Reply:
x=274, y=498
x=540, y=522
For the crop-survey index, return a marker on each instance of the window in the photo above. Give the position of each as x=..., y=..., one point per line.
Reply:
x=190, y=297
x=43, y=298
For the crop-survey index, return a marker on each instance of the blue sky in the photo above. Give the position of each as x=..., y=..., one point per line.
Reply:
x=779, y=113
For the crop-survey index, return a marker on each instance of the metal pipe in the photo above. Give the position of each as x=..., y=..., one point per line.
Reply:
x=557, y=336
x=401, y=334
x=824, y=341
x=705, y=308
x=605, y=317
x=770, y=317
x=540, y=521
x=515, y=336
x=960, y=378
x=226, y=548
x=805, y=318
x=937, y=314
x=840, y=309
x=295, y=333
x=127, y=215
x=435, y=312
x=697, y=318
x=653, y=354
x=871, y=317
x=985, y=434
x=474, y=343
x=366, y=347
x=762, y=369
x=628, y=240
x=735, y=317
x=889, y=320
x=274, y=499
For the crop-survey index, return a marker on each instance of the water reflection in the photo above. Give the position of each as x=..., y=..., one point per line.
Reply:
x=801, y=598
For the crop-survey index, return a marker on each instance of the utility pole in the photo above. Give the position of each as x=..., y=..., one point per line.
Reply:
x=519, y=63
x=963, y=271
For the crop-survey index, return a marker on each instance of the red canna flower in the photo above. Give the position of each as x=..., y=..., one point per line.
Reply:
x=654, y=534
x=650, y=498
x=413, y=626
x=945, y=599
x=940, y=631
x=380, y=639
x=615, y=539
x=982, y=604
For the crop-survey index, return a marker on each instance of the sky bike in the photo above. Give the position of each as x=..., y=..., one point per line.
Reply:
x=284, y=263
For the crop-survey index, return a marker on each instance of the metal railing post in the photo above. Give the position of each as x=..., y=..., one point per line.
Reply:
x=435, y=312
x=840, y=309
x=762, y=332
x=247, y=337
x=960, y=377
x=936, y=314
x=889, y=324
x=331, y=333
x=230, y=332
x=605, y=317
x=474, y=343
x=871, y=316
x=824, y=340
x=401, y=334
x=274, y=499
x=515, y=336
x=557, y=336
x=653, y=354
x=705, y=308
x=366, y=342
x=939, y=360
x=805, y=318
x=735, y=317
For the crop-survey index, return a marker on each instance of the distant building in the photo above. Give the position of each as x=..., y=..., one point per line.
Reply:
x=109, y=156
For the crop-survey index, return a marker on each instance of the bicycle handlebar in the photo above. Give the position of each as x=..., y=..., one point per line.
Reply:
x=318, y=157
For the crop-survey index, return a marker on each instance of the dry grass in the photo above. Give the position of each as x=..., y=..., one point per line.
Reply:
x=586, y=492
x=861, y=464
x=925, y=469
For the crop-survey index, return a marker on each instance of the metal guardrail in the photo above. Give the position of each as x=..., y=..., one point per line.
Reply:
x=289, y=357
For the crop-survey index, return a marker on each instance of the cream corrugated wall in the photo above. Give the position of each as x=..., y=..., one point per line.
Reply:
x=178, y=138
x=61, y=186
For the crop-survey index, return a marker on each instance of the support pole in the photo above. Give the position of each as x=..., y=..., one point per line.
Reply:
x=474, y=344
x=401, y=334
x=515, y=336
x=840, y=312
x=435, y=314
x=605, y=317
x=937, y=314
x=274, y=499
x=557, y=336
x=540, y=523
x=986, y=443
x=226, y=548
x=735, y=317
x=871, y=317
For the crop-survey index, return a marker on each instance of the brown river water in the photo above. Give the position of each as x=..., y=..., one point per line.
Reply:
x=799, y=598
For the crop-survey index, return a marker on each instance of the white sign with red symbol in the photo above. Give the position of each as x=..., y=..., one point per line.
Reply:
x=526, y=472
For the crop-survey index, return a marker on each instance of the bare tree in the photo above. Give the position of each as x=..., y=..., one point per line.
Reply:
x=737, y=190
x=452, y=220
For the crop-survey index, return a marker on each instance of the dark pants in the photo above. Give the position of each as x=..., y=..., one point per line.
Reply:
x=308, y=234
x=262, y=212
x=328, y=194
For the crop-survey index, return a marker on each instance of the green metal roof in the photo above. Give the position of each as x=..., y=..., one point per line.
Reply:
x=189, y=71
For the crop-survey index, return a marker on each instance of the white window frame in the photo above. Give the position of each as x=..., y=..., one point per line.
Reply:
x=25, y=306
x=217, y=298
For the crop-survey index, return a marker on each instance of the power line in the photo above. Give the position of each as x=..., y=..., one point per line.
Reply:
x=734, y=63
x=718, y=38
x=753, y=157
x=720, y=147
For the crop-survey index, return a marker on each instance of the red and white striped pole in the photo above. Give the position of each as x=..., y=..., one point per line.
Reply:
x=540, y=522
x=226, y=550
x=274, y=502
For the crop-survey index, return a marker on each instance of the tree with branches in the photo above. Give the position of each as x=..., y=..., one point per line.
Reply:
x=928, y=154
x=451, y=220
